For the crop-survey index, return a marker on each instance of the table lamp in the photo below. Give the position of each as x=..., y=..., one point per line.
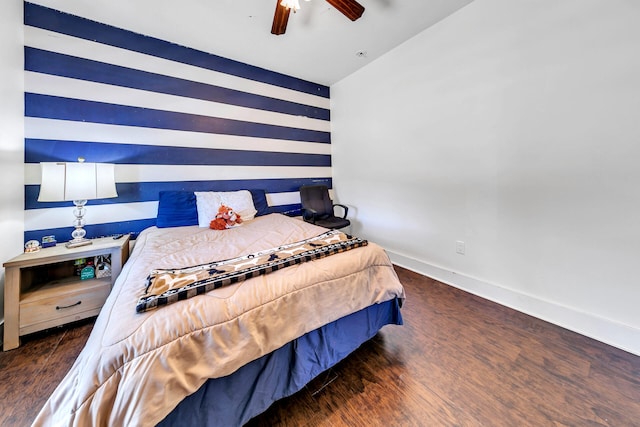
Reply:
x=77, y=182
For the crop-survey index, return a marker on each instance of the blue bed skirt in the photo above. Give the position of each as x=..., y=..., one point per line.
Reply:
x=235, y=399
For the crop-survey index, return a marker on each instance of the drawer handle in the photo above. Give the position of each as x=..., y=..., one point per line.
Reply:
x=68, y=306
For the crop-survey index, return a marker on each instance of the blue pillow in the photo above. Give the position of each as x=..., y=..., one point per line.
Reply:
x=176, y=208
x=260, y=202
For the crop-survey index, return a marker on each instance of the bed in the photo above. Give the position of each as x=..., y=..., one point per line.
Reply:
x=223, y=356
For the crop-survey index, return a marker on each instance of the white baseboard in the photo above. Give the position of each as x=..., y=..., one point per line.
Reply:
x=607, y=331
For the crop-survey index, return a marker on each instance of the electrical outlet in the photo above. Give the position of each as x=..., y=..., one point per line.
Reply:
x=460, y=247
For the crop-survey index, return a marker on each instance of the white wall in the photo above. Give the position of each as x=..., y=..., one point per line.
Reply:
x=514, y=127
x=11, y=135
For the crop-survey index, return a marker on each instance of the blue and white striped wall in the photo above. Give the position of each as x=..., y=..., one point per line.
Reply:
x=169, y=117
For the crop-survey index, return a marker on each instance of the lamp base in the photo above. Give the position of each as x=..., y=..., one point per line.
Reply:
x=76, y=243
x=79, y=232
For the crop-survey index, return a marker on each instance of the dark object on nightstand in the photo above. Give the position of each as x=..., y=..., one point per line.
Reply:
x=317, y=207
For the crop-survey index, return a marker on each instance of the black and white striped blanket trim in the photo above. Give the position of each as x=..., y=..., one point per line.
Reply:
x=165, y=286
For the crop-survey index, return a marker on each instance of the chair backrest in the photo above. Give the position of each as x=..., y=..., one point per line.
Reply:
x=316, y=197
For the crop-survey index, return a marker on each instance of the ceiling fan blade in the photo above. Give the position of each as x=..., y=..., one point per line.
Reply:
x=280, y=19
x=349, y=8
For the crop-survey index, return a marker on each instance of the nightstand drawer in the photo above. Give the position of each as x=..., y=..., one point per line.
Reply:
x=65, y=303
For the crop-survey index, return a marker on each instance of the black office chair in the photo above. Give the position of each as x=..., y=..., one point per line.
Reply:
x=317, y=207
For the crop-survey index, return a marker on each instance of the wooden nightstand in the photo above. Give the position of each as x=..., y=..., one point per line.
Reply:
x=42, y=291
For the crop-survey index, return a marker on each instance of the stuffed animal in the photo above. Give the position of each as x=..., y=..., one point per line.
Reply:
x=225, y=218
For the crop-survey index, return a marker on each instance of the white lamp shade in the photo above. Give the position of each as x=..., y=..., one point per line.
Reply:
x=105, y=181
x=51, y=182
x=76, y=181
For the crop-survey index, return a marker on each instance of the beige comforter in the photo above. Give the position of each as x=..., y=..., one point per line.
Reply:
x=136, y=367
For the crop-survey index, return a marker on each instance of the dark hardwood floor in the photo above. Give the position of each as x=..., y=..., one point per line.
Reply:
x=458, y=360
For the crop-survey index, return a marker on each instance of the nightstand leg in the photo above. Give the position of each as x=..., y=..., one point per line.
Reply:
x=117, y=258
x=11, y=308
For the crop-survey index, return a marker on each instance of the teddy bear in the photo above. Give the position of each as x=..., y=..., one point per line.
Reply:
x=225, y=218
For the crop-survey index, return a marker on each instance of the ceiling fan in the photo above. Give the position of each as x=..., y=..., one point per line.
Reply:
x=349, y=8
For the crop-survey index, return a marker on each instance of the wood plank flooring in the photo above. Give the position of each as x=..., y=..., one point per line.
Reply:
x=459, y=360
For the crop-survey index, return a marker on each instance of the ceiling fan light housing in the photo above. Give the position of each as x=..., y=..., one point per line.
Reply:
x=291, y=4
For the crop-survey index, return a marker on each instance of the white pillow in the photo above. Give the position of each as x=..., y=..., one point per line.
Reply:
x=208, y=203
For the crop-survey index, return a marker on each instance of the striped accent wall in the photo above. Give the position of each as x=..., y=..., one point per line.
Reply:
x=170, y=118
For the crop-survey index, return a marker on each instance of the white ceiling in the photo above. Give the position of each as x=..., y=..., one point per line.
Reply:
x=320, y=44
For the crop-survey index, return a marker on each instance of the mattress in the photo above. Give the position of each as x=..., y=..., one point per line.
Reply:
x=137, y=367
